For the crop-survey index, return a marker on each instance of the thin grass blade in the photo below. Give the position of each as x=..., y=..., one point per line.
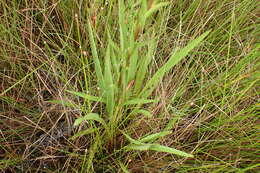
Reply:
x=139, y=101
x=98, y=68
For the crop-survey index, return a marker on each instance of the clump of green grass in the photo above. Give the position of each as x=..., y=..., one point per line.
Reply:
x=129, y=86
x=121, y=73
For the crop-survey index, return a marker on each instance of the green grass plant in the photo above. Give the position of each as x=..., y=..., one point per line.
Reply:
x=129, y=86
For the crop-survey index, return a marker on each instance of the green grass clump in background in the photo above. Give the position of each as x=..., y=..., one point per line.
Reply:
x=129, y=86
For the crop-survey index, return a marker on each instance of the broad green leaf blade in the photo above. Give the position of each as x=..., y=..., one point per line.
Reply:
x=90, y=116
x=139, y=101
x=122, y=25
x=138, y=145
x=123, y=45
x=143, y=10
x=155, y=8
x=86, y=96
x=82, y=133
x=133, y=65
x=160, y=148
x=114, y=59
x=131, y=139
x=141, y=147
x=144, y=112
x=98, y=68
x=143, y=66
x=155, y=136
x=109, y=86
x=174, y=59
